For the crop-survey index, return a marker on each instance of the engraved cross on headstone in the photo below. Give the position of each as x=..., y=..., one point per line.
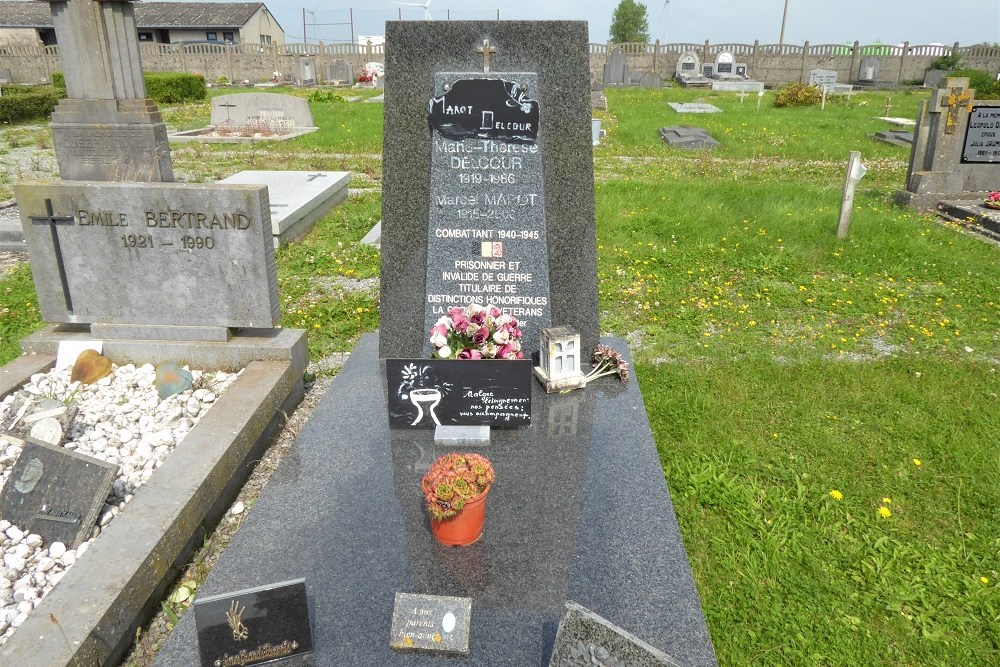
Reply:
x=487, y=51
x=228, y=106
x=52, y=220
x=313, y=177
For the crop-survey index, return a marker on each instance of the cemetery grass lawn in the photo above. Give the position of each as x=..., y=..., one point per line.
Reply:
x=779, y=366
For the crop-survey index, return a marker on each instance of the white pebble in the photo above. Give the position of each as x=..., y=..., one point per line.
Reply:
x=14, y=533
x=56, y=550
x=33, y=540
x=238, y=508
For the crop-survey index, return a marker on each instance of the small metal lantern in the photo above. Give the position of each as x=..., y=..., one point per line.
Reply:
x=559, y=354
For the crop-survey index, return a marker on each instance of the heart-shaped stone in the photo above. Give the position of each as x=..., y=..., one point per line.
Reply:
x=90, y=367
x=172, y=379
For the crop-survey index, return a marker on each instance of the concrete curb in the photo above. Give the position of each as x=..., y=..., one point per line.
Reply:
x=111, y=591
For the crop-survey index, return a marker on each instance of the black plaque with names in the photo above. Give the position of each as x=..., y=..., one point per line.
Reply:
x=255, y=626
x=724, y=68
x=56, y=493
x=486, y=235
x=982, y=136
x=424, y=393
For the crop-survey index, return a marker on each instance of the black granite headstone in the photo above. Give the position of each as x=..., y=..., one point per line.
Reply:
x=430, y=392
x=254, y=625
x=56, y=493
x=539, y=246
x=585, y=639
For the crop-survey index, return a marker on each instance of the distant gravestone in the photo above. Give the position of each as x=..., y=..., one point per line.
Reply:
x=340, y=70
x=895, y=137
x=688, y=65
x=693, y=107
x=740, y=69
x=585, y=639
x=261, y=111
x=616, y=69
x=5, y=76
x=650, y=80
x=869, y=69
x=298, y=199
x=212, y=244
x=724, y=63
x=56, y=493
x=305, y=70
x=956, y=147
x=822, y=78
x=707, y=69
x=495, y=204
x=688, y=138
x=106, y=129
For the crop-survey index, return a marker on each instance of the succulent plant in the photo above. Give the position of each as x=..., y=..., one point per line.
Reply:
x=453, y=480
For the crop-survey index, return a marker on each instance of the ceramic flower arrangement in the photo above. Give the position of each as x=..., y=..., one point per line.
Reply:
x=993, y=200
x=476, y=332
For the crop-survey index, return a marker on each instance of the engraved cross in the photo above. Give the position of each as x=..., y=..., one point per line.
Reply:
x=52, y=220
x=228, y=106
x=955, y=98
x=487, y=51
x=313, y=177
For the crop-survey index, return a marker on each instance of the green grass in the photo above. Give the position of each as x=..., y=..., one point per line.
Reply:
x=777, y=363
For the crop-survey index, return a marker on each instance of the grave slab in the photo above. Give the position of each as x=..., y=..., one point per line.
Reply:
x=694, y=107
x=271, y=112
x=895, y=137
x=591, y=537
x=298, y=199
x=688, y=138
x=972, y=214
x=56, y=492
x=739, y=86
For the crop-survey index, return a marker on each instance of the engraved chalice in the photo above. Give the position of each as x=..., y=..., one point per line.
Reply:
x=425, y=397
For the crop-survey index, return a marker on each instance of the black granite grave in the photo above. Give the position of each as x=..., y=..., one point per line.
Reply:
x=579, y=511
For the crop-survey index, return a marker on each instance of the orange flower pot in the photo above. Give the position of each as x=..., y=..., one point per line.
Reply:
x=464, y=529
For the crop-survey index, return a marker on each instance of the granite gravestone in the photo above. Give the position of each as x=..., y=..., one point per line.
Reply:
x=261, y=112
x=688, y=65
x=822, y=78
x=869, y=69
x=724, y=63
x=688, y=138
x=616, y=69
x=254, y=625
x=56, y=493
x=955, y=147
x=106, y=129
x=340, y=71
x=488, y=183
x=190, y=261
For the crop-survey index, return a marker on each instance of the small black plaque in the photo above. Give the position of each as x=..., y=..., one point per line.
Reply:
x=437, y=623
x=56, y=493
x=424, y=393
x=487, y=109
x=724, y=68
x=254, y=626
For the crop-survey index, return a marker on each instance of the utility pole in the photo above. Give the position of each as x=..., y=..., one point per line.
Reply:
x=304, y=40
x=784, y=15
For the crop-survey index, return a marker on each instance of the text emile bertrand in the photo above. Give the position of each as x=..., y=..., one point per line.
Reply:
x=167, y=219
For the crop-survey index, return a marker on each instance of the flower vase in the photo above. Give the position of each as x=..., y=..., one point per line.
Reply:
x=992, y=204
x=464, y=529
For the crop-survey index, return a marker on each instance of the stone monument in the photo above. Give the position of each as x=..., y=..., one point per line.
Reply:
x=956, y=147
x=106, y=129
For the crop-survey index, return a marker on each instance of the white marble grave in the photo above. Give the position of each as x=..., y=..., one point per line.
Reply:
x=298, y=198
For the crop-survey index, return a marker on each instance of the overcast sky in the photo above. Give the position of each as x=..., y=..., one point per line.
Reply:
x=721, y=21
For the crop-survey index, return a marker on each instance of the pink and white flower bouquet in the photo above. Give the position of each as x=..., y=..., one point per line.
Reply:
x=993, y=200
x=476, y=332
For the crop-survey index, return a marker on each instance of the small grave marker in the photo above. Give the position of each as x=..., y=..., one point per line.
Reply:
x=56, y=493
x=435, y=623
x=585, y=639
x=254, y=626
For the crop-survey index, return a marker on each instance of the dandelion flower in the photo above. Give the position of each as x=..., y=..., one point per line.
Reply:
x=917, y=462
x=985, y=580
x=887, y=501
x=884, y=512
x=836, y=495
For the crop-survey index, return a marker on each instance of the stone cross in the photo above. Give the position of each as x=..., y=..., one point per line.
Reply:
x=955, y=97
x=487, y=51
x=743, y=94
x=99, y=49
x=52, y=220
